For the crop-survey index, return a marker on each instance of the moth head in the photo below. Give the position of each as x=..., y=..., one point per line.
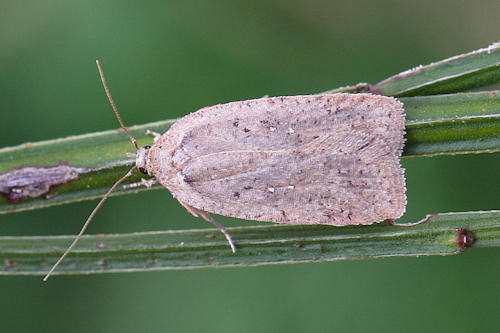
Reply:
x=142, y=160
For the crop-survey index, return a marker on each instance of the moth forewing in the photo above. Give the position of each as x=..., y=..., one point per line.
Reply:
x=322, y=159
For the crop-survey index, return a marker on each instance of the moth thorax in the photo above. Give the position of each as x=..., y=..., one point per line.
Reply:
x=142, y=160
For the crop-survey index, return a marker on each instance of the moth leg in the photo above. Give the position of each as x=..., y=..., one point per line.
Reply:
x=156, y=135
x=426, y=219
x=144, y=182
x=199, y=213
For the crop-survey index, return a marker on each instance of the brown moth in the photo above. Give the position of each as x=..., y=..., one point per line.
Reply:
x=321, y=159
x=314, y=159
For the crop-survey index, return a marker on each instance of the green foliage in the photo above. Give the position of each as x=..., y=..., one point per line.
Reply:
x=257, y=245
x=454, y=123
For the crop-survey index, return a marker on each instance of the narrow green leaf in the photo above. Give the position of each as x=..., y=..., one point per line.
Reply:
x=436, y=125
x=459, y=73
x=102, y=154
x=257, y=245
x=463, y=123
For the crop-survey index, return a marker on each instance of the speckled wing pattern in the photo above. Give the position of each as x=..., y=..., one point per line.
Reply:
x=320, y=159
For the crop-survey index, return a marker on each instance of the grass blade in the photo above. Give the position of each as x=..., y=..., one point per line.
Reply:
x=256, y=245
x=436, y=125
x=476, y=69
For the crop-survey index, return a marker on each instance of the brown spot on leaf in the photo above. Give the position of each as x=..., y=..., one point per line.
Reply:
x=100, y=245
x=9, y=263
x=465, y=238
x=32, y=182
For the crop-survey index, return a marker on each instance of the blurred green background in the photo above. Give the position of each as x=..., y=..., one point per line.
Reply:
x=166, y=59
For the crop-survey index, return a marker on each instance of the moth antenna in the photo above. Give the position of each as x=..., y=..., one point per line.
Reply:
x=85, y=225
x=113, y=105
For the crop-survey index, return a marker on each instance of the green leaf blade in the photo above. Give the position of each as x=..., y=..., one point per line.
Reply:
x=479, y=68
x=256, y=245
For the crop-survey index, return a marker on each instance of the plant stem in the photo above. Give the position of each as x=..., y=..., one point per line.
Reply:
x=256, y=245
x=462, y=123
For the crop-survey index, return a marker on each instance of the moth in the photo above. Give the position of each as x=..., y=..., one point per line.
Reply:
x=320, y=159
x=314, y=159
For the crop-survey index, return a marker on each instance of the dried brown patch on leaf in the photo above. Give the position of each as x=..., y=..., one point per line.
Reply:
x=465, y=239
x=32, y=182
